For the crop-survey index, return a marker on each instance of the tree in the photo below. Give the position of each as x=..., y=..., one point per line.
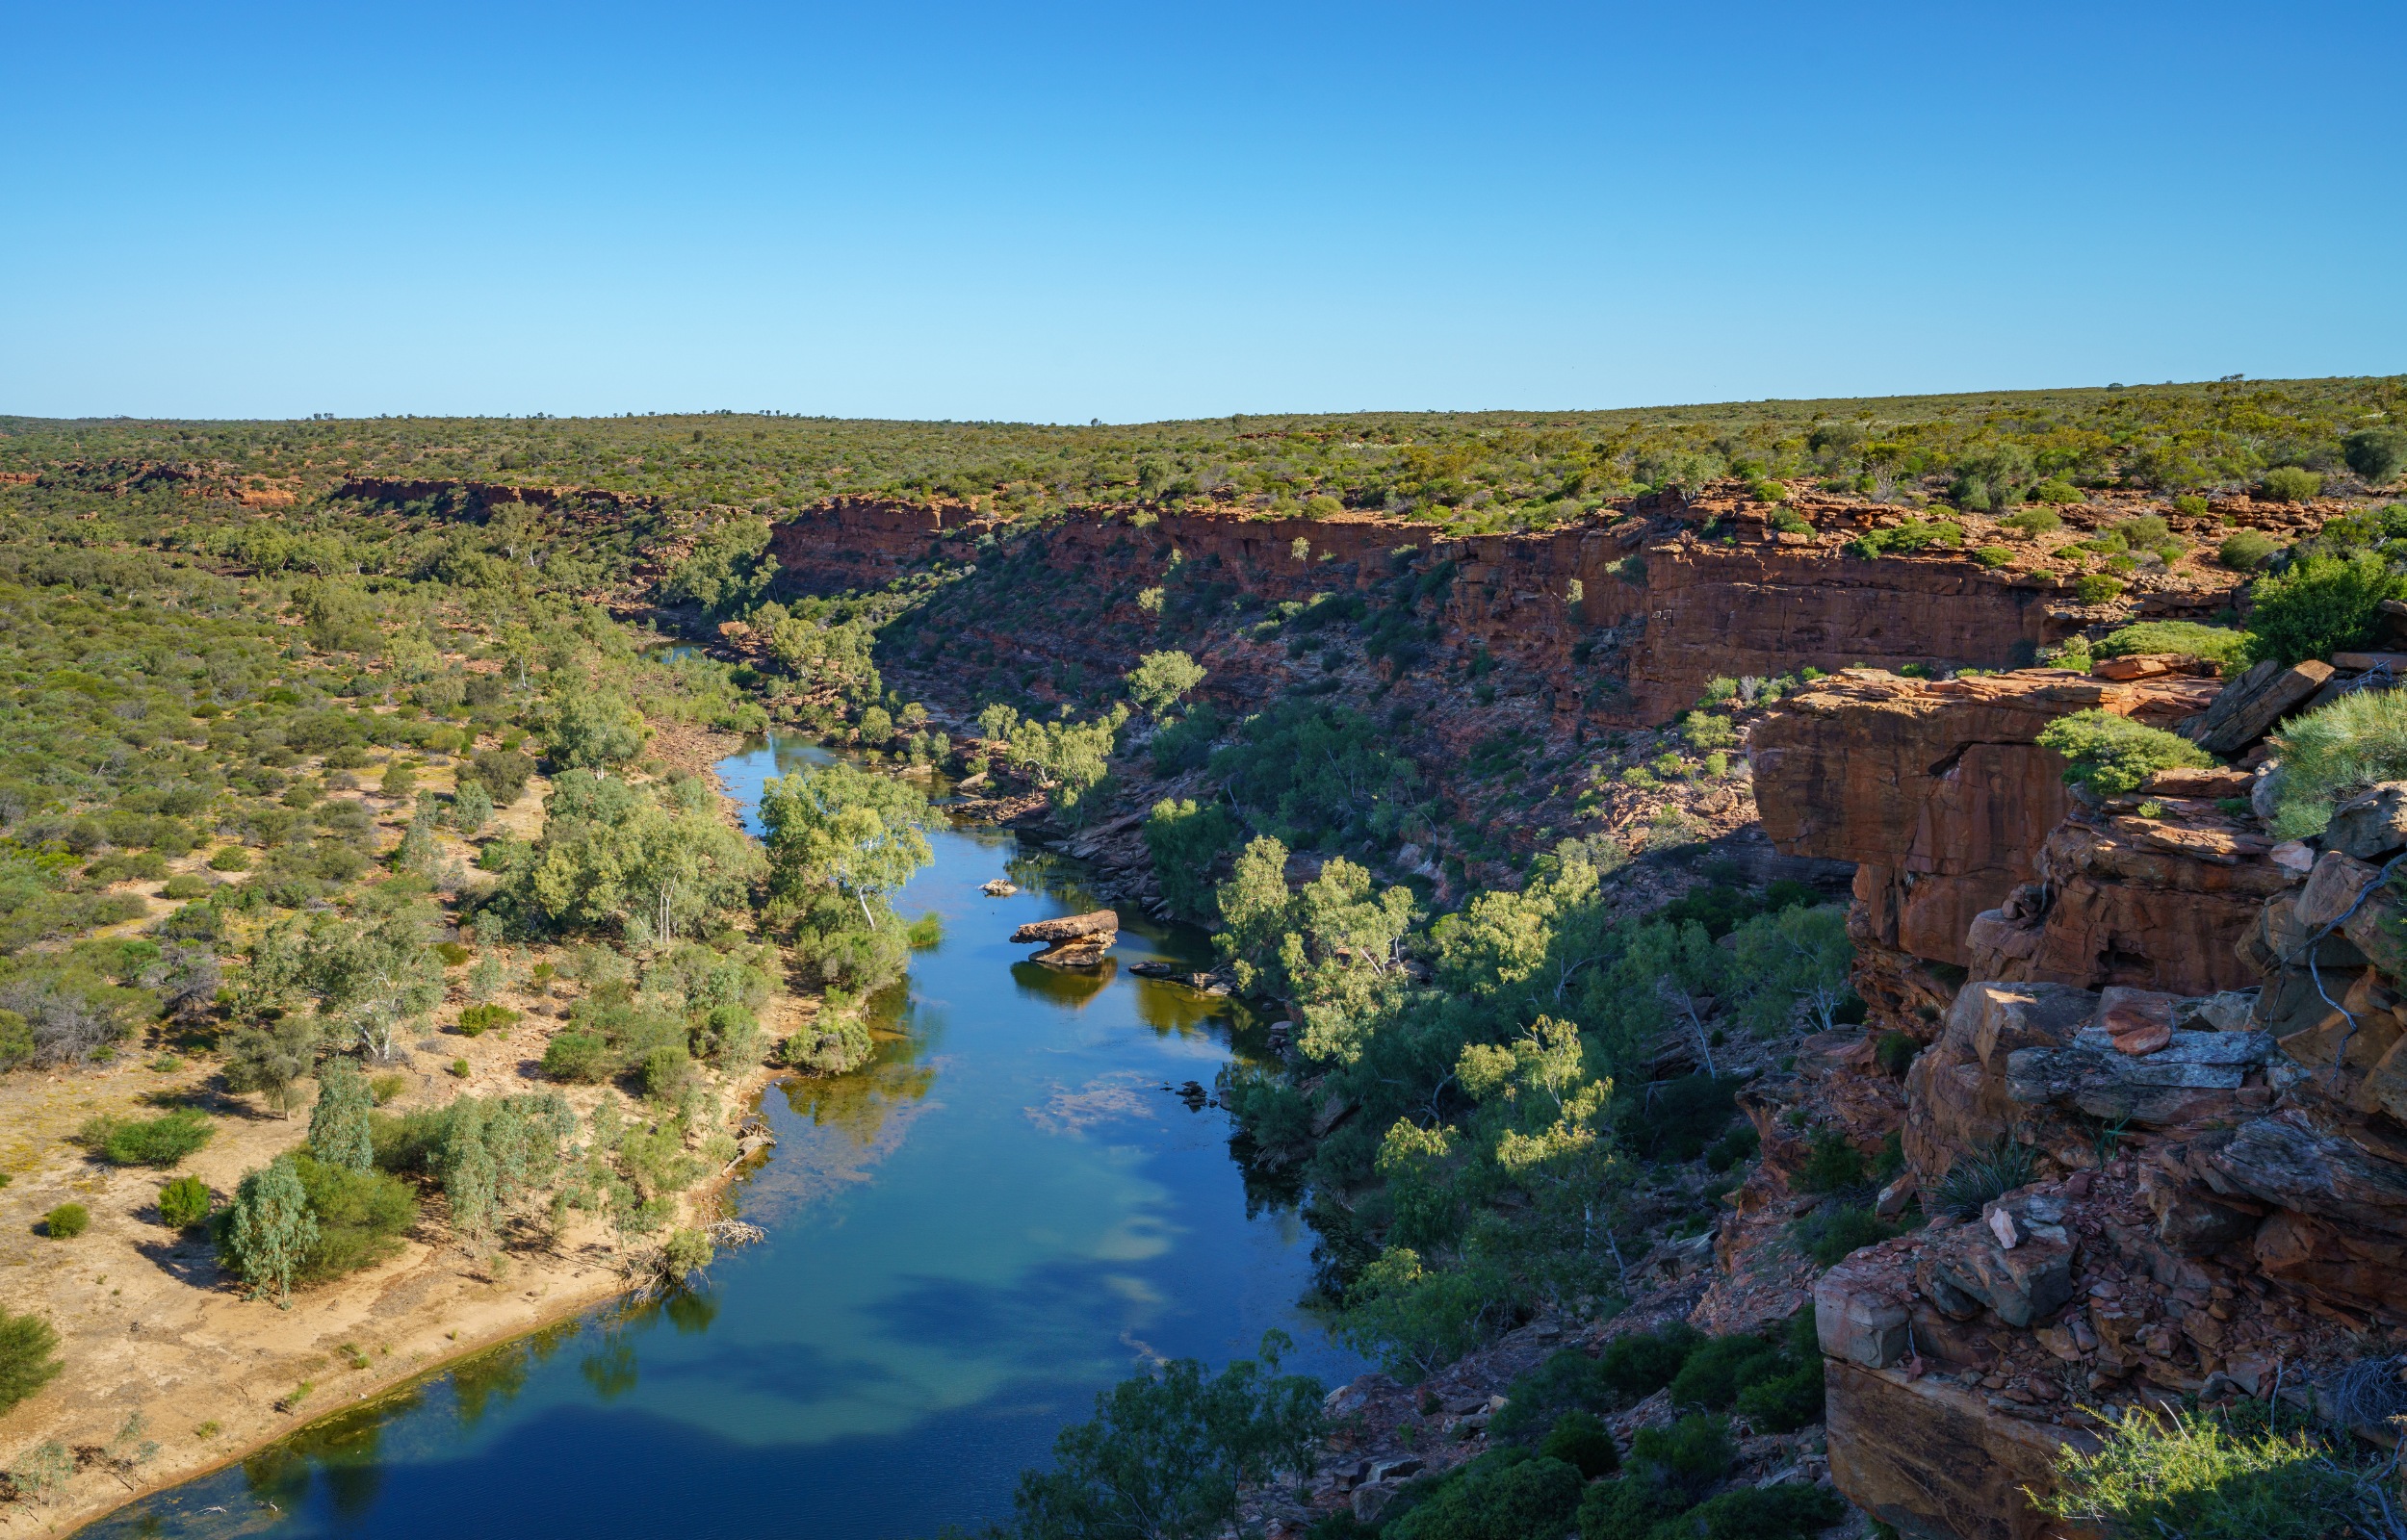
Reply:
x=269, y=1228
x=372, y=978
x=1167, y=1454
x=728, y=569
x=1547, y=1117
x=876, y=727
x=1801, y=954
x=2376, y=453
x=268, y=1058
x=1185, y=839
x=616, y=853
x=837, y=829
x=338, y=1125
x=1160, y=679
x=1341, y=956
x=27, y=1362
x=1253, y=916
x=1681, y=965
x=592, y=727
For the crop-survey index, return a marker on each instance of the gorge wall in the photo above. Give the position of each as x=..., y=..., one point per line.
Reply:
x=1618, y=622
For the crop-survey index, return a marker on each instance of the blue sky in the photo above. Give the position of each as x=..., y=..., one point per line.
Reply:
x=1138, y=212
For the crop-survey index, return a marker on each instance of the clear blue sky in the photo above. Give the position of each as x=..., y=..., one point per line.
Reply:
x=1142, y=211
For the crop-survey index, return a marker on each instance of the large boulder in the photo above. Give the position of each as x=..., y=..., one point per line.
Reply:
x=1074, y=941
x=1936, y=1460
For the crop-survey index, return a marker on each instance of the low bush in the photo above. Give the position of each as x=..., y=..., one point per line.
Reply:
x=2352, y=743
x=186, y=885
x=1973, y=1181
x=2029, y=522
x=2245, y=550
x=2376, y=453
x=1835, y=1231
x=67, y=1222
x=1895, y=1052
x=2214, y=644
x=1634, y=1366
x=1790, y=522
x=2110, y=755
x=28, y=1346
x=1994, y=556
x=163, y=1141
x=1716, y=1373
x=478, y=1019
x=1832, y=1165
x=2209, y=1477
x=2290, y=483
x=2321, y=604
x=230, y=858
x=2097, y=588
x=184, y=1203
x=581, y=1057
x=1502, y=1495
x=1911, y=535
x=362, y=1216
x=1580, y=1440
x=2052, y=491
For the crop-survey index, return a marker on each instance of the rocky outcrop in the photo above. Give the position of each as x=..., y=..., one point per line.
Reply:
x=1625, y=619
x=1941, y=794
x=1073, y=941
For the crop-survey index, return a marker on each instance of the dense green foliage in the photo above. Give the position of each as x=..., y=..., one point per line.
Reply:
x=2324, y=604
x=163, y=1140
x=185, y=1202
x=1166, y=1455
x=2325, y=754
x=2216, y=644
x=28, y=1361
x=841, y=842
x=2210, y=1477
x=2112, y=755
x=1478, y=469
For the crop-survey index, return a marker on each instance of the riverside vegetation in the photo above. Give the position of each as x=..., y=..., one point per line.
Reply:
x=266, y=792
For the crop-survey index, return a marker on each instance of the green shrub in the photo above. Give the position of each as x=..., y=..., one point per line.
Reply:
x=665, y=1071
x=2376, y=453
x=1689, y=1455
x=1994, y=556
x=478, y=1019
x=186, y=885
x=2322, y=604
x=1832, y=1164
x=1784, y=1401
x=1894, y=1051
x=2245, y=550
x=2096, y=588
x=2052, y=490
x=1738, y=1144
x=1705, y=731
x=1502, y=1495
x=1974, y=1181
x=452, y=953
x=2350, y=744
x=2214, y=644
x=362, y=1216
x=1911, y=535
x=1793, y=1511
x=1580, y=1440
x=2198, y=1476
x=925, y=932
x=1628, y=1509
x=184, y=1202
x=2110, y=754
x=1634, y=1367
x=230, y=858
x=27, y=1345
x=1836, y=1231
x=1567, y=1381
x=2032, y=522
x=1790, y=522
x=1715, y=1373
x=580, y=1057
x=2290, y=483
x=67, y=1222
x=163, y=1140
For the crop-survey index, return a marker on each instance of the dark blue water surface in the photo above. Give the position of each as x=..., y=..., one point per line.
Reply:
x=1006, y=1212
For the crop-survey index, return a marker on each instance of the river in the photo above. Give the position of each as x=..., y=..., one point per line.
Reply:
x=1009, y=1210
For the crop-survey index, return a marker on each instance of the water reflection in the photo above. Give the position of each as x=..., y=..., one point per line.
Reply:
x=1072, y=987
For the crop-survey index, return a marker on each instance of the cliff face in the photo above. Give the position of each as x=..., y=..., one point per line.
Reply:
x=1622, y=622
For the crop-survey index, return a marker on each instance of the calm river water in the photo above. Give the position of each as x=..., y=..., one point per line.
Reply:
x=1007, y=1212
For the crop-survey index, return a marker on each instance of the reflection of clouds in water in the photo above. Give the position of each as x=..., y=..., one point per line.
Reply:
x=1101, y=1100
x=1137, y=1238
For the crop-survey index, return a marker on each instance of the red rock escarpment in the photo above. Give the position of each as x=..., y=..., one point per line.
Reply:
x=1941, y=794
x=1660, y=608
